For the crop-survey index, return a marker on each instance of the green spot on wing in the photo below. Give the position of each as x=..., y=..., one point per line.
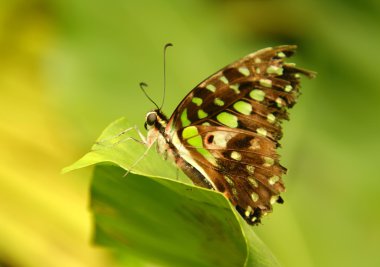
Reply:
x=197, y=101
x=235, y=87
x=268, y=161
x=279, y=102
x=189, y=132
x=211, y=87
x=271, y=118
x=224, y=79
x=243, y=107
x=202, y=114
x=265, y=82
x=185, y=121
x=218, y=102
x=227, y=119
x=257, y=94
x=244, y=71
x=288, y=88
x=254, y=196
x=261, y=131
x=275, y=70
x=195, y=141
x=273, y=180
x=281, y=54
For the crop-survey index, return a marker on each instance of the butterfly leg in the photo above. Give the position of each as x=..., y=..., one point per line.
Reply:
x=138, y=160
x=142, y=139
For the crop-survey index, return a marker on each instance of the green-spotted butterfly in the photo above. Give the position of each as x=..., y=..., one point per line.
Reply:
x=225, y=132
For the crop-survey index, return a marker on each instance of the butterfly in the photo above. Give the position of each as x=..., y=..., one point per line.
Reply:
x=224, y=134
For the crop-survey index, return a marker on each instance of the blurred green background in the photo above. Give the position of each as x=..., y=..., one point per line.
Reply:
x=68, y=68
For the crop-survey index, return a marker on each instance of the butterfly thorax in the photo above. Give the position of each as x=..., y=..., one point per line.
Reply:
x=155, y=124
x=168, y=145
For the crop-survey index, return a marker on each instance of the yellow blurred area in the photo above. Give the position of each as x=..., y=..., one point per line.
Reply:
x=44, y=219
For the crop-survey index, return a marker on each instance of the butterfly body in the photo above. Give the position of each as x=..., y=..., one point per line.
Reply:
x=225, y=132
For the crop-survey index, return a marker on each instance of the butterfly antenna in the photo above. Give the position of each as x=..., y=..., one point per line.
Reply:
x=163, y=97
x=142, y=85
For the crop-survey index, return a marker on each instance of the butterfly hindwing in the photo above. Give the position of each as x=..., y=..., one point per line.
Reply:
x=230, y=125
x=242, y=165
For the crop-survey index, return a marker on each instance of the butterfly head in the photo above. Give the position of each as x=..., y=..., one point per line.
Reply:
x=150, y=120
x=155, y=119
x=155, y=124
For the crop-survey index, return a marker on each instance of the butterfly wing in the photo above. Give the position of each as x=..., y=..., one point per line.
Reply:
x=229, y=125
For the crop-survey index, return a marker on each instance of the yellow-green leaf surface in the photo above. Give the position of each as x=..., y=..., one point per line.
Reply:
x=160, y=218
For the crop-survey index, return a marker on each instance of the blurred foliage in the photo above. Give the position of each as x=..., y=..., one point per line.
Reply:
x=69, y=67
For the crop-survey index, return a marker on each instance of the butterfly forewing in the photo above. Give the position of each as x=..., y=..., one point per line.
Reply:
x=230, y=125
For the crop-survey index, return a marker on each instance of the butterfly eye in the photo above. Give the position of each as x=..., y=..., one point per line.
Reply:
x=210, y=139
x=151, y=119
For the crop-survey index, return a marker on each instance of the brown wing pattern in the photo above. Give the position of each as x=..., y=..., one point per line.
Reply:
x=231, y=124
x=260, y=70
x=242, y=165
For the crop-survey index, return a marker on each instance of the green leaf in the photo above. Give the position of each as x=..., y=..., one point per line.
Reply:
x=161, y=219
